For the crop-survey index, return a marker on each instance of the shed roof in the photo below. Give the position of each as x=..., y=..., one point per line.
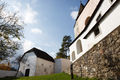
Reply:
x=40, y=54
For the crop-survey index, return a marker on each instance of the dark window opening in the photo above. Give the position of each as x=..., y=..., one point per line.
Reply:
x=96, y=31
x=42, y=64
x=98, y=18
x=111, y=0
x=45, y=70
x=87, y=20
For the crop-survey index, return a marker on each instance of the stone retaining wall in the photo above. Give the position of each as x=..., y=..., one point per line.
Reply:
x=4, y=73
x=103, y=60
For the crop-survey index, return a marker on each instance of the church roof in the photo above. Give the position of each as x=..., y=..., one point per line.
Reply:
x=40, y=54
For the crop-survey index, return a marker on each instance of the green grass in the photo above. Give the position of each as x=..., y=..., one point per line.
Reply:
x=59, y=76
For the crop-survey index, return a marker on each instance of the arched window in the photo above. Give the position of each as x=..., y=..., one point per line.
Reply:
x=79, y=46
x=73, y=56
x=87, y=20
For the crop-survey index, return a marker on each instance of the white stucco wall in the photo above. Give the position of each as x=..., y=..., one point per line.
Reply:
x=107, y=25
x=30, y=63
x=44, y=67
x=65, y=64
x=61, y=65
x=58, y=65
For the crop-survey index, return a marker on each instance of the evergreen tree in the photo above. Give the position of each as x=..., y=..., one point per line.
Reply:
x=64, y=50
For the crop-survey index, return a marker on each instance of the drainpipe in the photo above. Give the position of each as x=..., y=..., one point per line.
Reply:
x=71, y=70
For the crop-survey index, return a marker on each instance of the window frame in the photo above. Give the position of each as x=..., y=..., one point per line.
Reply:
x=73, y=57
x=79, y=46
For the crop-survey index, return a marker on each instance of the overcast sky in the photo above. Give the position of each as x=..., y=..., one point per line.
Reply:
x=46, y=22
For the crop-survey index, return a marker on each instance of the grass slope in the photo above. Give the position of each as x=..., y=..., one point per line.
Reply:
x=59, y=76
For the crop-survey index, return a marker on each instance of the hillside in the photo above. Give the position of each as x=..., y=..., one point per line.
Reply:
x=59, y=76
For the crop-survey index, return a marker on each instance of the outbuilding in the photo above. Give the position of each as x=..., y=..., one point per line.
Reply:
x=36, y=62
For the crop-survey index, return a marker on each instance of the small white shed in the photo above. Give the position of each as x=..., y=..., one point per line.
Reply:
x=36, y=62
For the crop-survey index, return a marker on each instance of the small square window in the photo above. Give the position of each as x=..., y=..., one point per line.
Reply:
x=111, y=0
x=45, y=70
x=98, y=18
x=42, y=64
x=96, y=31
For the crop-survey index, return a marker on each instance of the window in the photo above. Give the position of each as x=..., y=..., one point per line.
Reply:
x=87, y=20
x=73, y=56
x=98, y=18
x=28, y=64
x=42, y=64
x=79, y=46
x=111, y=1
x=96, y=31
x=45, y=70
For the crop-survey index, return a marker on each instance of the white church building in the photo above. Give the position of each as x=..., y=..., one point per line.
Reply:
x=94, y=22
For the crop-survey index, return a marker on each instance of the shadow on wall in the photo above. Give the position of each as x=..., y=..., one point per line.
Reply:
x=19, y=74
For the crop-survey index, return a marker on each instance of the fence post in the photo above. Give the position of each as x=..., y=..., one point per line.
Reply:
x=71, y=70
